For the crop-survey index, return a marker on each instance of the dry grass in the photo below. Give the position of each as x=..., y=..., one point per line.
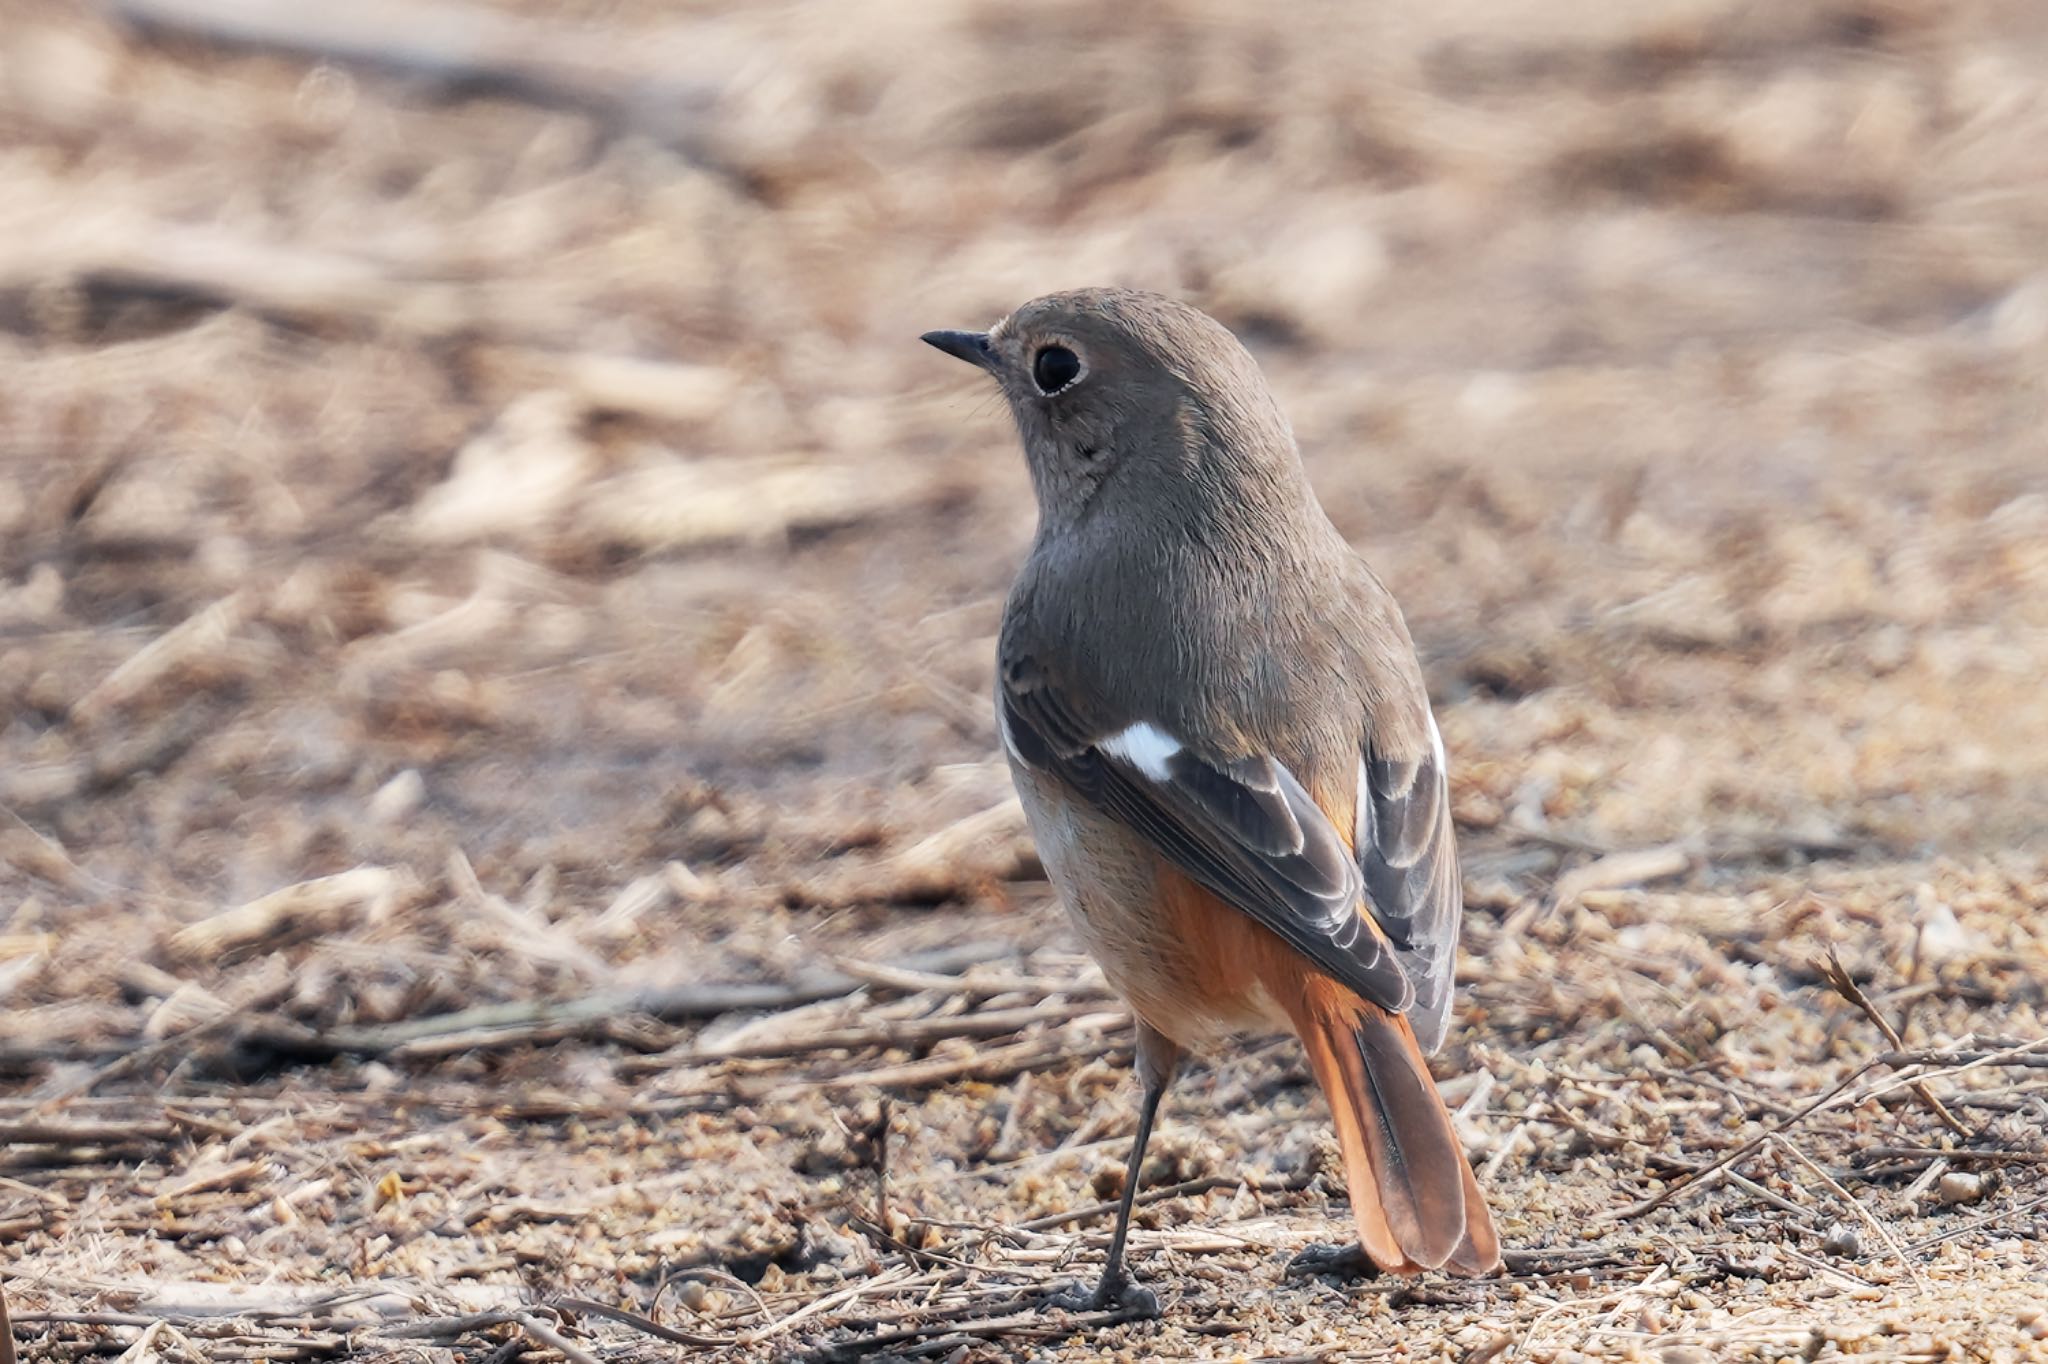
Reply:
x=500, y=847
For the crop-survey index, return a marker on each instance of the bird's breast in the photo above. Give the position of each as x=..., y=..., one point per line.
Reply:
x=1187, y=963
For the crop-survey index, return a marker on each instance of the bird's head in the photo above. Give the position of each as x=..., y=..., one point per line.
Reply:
x=1117, y=389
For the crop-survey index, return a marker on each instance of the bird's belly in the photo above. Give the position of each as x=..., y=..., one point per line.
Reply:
x=1122, y=904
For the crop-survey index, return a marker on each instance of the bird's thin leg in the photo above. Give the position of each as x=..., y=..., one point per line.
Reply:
x=1157, y=1056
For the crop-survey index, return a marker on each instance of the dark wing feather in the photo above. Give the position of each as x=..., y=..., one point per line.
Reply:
x=1245, y=829
x=1410, y=867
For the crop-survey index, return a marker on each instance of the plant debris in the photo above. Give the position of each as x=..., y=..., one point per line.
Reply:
x=504, y=851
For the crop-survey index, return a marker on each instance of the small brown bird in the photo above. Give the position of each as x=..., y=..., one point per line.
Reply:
x=1215, y=719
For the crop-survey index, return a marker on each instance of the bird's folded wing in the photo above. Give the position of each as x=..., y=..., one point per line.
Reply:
x=1408, y=856
x=1244, y=828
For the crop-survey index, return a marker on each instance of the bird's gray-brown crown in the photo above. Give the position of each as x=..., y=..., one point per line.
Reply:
x=1116, y=385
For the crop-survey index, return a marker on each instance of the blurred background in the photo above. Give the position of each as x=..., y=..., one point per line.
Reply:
x=481, y=452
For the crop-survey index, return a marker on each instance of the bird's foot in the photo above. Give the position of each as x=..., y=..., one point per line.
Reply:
x=1114, y=1293
x=1343, y=1262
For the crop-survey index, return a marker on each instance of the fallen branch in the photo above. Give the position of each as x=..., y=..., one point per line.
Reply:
x=518, y=1023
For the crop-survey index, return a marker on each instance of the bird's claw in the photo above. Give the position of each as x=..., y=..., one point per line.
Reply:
x=1343, y=1262
x=1115, y=1293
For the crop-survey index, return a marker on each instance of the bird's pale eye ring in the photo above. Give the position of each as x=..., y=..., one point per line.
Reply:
x=1054, y=368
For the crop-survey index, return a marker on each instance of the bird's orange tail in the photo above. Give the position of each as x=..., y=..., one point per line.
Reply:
x=1412, y=1192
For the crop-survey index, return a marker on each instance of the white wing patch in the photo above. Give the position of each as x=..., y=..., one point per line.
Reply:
x=1145, y=747
x=1361, y=810
x=1009, y=743
x=1436, y=740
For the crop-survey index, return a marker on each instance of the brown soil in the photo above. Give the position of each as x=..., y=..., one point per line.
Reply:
x=485, y=478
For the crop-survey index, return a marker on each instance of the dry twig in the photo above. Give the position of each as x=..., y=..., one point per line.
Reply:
x=520, y=1023
x=1838, y=978
x=1671, y=1191
x=1029, y=1323
x=1978, y=1225
x=644, y=1324
x=1868, y=1218
x=544, y=1334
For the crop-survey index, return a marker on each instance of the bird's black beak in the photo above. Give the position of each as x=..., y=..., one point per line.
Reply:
x=969, y=346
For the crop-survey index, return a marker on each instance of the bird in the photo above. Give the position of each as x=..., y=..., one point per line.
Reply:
x=1217, y=725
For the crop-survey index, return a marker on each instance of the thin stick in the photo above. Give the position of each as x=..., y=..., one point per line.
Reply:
x=645, y=1325
x=878, y=1139
x=1747, y=1096
x=1912, y=978
x=994, y=1063
x=1963, y=1157
x=909, y=1032
x=809, y=1309
x=1837, y=977
x=518, y=1022
x=2020, y=1057
x=145, y=1344
x=1820, y=1266
x=449, y=1328
x=2022, y=1054
x=1031, y=1323
x=177, y=1044
x=1016, y=1166
x=553, y=1339
x=1756, y=1190
x=1671, y=1191
x=204, y=631
x=1869, y=1218
x=1979, y=1224
x=86, y=1318
x=1185, y=1189
x=711, y=1275
x=85, y=1133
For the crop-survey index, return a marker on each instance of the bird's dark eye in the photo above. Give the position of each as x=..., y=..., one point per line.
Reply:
x=1053, y=368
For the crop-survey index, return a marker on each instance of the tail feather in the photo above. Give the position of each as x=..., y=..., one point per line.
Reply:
x=1374, y=1232
x=1413, y=1194
x=1479, y=1252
